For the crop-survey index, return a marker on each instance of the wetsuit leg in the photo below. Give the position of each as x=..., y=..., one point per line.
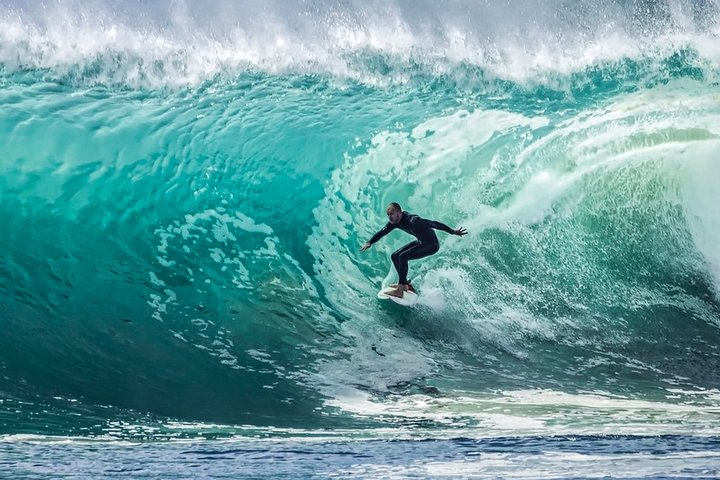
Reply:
x=395, y=257
x=411, y=251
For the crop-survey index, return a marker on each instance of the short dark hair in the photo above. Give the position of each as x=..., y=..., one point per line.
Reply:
x=395, y=206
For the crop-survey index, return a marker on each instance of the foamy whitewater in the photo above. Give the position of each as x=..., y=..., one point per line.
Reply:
x=184, y=188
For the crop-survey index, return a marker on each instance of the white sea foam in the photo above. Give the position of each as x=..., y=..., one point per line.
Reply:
x=178, y=43
x=542, y=412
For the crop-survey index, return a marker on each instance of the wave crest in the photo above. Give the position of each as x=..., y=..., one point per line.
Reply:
x=178, y=44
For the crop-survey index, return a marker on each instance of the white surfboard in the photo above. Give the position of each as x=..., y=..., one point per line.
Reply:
x=408, y=299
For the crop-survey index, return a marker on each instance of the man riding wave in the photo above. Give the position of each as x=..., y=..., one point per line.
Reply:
x=426, y=242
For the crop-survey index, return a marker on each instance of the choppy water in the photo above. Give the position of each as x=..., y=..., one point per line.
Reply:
x=525, y=457
x=184, y=189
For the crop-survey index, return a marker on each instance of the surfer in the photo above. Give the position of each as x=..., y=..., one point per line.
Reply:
x=426, y=244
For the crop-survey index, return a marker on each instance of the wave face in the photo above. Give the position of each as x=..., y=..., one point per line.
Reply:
x=184, y=188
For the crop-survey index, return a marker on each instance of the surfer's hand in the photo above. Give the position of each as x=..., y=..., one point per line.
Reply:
x=460, y=231
x=366, y=246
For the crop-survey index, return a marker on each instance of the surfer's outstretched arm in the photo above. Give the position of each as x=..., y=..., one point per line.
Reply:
x=383, y=231
x=460, y=231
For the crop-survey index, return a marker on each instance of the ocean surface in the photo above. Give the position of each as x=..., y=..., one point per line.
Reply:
x=184, y=188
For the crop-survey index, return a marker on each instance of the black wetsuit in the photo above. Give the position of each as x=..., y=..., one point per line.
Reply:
x=426, y=244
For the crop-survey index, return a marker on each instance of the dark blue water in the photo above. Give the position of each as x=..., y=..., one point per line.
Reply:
x=525, y=457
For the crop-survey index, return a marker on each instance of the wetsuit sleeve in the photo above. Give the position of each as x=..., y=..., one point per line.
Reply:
x=384, y=231
x=440, y=226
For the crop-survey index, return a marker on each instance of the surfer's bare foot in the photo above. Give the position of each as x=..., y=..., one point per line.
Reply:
x=397, y=292
x=408, y=287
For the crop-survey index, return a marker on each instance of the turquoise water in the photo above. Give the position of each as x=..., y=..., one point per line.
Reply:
x=184, y=189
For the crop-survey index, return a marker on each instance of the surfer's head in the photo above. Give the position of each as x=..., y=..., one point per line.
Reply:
x=394, y=212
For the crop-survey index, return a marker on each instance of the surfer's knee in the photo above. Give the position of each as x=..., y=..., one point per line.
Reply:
x=401, y=257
